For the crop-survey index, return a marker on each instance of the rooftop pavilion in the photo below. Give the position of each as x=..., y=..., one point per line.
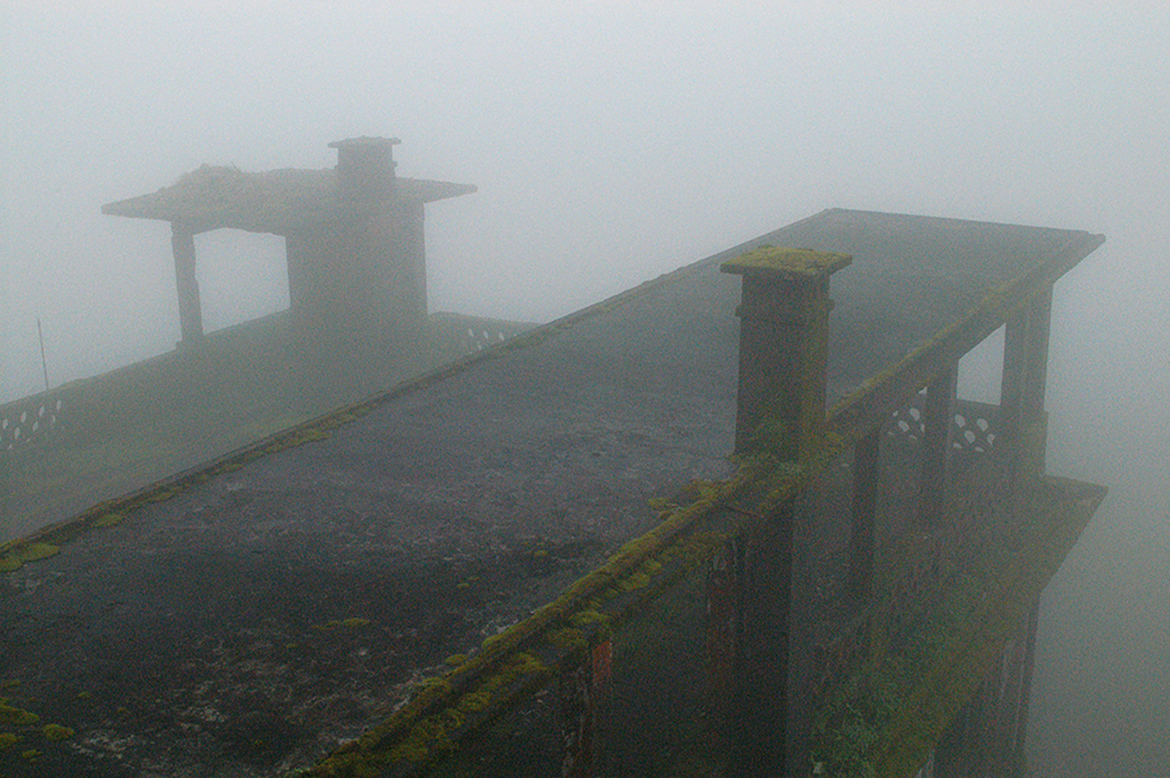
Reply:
x=354, y=234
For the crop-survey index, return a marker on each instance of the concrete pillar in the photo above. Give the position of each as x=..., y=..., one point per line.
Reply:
x=583, y=687
x=986, y=738
x=6, y=489
x=760, y=722
x=187, y=287
x=937, y=436
x=784, y=327
x=1025, y=375
x=866, y=474
x=724, y=615
x=359, y=279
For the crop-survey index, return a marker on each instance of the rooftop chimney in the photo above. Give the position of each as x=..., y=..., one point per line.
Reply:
x=365, y=167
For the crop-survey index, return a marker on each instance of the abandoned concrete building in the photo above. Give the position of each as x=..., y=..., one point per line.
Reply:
x=732, y=522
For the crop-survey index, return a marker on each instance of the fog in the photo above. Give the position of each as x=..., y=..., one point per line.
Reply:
x=612, y=142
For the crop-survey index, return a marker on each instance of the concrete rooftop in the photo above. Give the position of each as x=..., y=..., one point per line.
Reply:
x=256, y=612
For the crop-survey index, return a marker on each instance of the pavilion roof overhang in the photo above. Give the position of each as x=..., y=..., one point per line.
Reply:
x=274, y=201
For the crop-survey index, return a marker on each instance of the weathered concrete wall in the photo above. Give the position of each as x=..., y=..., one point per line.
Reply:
x=352, y=280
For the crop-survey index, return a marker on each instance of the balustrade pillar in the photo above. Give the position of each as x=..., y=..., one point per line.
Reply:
x=783, y=348
x=724, y=574
x=784, y=326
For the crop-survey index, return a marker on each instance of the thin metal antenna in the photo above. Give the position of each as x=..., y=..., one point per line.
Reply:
x=44, y=363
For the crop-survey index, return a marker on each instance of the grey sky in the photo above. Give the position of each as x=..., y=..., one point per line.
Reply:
x=611, y=143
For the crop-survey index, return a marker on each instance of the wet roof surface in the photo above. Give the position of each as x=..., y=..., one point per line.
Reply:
x=912, y=276
x=445, y=512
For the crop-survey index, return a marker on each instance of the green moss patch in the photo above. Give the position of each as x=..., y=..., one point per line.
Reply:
x=925, y=656
x=798, y=262
x=16, y=717
x=20, y=553
x=108, y=519
x=55, y=732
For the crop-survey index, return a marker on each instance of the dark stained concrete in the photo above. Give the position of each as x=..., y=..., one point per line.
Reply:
x=207, y=633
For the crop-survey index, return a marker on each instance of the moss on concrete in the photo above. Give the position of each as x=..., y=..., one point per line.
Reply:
x=791, y=262
x=884, y=718
x=13, y=716
x=55, y=732
x=15, y=554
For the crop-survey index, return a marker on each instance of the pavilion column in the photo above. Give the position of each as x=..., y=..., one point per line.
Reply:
x=187, y=287
x=781, y=411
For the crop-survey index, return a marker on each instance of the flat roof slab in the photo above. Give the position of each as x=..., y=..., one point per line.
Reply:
x=255, y=616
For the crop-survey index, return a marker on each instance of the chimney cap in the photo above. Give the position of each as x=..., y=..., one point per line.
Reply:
x=364, y=142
